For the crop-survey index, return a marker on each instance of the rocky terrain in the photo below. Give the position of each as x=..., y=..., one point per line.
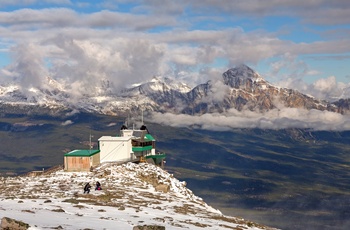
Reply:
x=133, y=195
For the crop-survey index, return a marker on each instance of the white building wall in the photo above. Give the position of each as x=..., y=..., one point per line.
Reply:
x=114, y=149
x=127, y=133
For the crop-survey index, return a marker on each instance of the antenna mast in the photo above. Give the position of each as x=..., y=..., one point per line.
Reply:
x=90, y=144
x=142, y=116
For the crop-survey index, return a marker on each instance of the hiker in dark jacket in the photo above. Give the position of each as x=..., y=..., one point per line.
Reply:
x=87, y=188
x=98, y=186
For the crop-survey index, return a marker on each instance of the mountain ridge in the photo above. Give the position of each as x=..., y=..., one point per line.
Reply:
x=240, y=88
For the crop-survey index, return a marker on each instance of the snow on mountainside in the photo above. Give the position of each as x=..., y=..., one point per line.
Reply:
x=240, y=88
x=130, y=197
x=156, y=84
x=52, y=95
x=256, y=94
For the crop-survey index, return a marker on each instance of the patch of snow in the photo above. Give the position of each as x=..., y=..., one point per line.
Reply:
x=128, y=199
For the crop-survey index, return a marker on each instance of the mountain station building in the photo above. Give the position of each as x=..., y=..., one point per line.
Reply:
x=130, y=146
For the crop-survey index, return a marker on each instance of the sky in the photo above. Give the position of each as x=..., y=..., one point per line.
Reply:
x=304, y=45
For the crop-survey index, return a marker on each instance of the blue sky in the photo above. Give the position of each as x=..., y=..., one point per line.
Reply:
x=303, y=45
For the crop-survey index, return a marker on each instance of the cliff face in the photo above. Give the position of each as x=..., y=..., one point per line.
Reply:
x=248, y=90
x=131, y=195
x=343, y=106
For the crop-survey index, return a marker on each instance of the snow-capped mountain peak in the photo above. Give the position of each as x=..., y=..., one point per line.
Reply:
x=156, y=85
x=241, y=88
x=176, y=85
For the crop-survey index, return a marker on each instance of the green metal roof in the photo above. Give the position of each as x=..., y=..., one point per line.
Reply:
x=156, y=156
x=149, y=137
x=82, y=153
x=140, y=149
x=157, y=159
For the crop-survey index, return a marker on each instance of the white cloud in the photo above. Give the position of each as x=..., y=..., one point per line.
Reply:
x=326, y=84
x=82, y=48
x=290, y=72
x=325, y=88
x=274, y=119
x=218, y=92
x=67, y=122
x=63, y=17
x=71, y=113
x=318, y=12
x=28, y=67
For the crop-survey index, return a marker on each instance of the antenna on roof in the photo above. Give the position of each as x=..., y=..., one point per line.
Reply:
x=142, y=116
x=143, y=126
x=90, y=144
x=128, y=119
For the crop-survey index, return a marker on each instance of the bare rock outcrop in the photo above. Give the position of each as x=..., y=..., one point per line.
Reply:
x=12, y=224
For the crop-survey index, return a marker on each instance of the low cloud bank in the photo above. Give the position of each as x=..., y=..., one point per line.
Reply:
x=273, y=119
x=67, y=122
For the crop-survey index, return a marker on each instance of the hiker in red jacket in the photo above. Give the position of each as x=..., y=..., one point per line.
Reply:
x=98, y=186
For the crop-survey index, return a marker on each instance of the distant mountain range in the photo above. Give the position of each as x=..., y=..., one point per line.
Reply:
x=240, y=88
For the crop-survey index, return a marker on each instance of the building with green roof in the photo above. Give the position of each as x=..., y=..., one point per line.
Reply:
x=81, y=160
x=130, y=146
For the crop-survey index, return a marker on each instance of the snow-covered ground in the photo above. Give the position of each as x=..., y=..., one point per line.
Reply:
x=129, y=198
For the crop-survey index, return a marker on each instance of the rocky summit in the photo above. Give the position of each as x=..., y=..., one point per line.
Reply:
x=133, y=196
